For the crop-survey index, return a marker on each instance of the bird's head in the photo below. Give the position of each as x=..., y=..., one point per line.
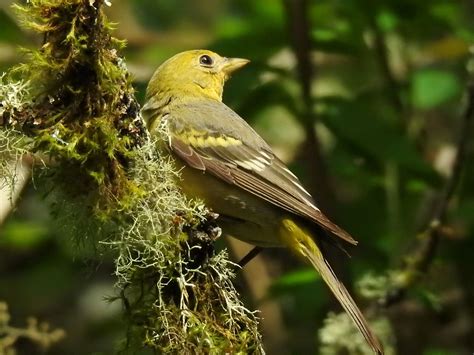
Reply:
x=195, y=73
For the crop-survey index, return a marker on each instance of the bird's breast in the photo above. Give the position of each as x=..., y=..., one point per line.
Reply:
x=242, y=215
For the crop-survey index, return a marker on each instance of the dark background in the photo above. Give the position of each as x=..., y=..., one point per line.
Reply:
x=363, y=99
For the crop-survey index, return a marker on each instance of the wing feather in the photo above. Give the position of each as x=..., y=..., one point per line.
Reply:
x=234, y=152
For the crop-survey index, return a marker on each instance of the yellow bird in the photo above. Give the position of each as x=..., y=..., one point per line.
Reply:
x=234, y=171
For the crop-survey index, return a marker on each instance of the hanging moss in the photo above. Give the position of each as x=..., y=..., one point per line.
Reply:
x=107, y=182
x=174, y=285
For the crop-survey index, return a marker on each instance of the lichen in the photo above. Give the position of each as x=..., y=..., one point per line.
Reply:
x=340, y=336
x=12, y=147
x=174, y=285
x=109, y=185
x=84, y=114
x=14, y=96
x=40, y=334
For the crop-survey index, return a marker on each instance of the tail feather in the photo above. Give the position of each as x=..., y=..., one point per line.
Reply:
x=302, y=243
x=343, y=296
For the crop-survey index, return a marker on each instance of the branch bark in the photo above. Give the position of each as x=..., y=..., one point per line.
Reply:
x=10, y=194
x=113, y=185
x=317, y=177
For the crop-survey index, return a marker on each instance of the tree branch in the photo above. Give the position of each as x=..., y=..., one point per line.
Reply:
x=299, y=28
x=382, y=57
x=113, y=185
x=421, y=259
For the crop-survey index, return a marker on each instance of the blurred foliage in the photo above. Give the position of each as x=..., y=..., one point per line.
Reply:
x=38, y=333
x=387, y=98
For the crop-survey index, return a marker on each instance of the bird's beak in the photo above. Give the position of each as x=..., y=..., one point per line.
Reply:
x=232, y=64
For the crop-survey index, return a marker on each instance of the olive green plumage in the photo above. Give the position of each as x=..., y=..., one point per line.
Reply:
x=234, y=171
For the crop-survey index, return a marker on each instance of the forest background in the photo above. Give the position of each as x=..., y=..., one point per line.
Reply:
x=367, y=101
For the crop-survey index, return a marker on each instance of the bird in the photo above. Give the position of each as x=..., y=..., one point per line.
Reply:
x=225, y=163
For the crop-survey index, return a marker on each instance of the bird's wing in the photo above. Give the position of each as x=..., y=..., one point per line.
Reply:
x=211, y=137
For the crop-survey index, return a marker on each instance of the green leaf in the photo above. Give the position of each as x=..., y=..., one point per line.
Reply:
x=428, y=298
x=433, y=87
x=330, y=42
x=295, y=279
x=302, y=292
x=416, y=185
x=272, y=93
x=369, y=130
x=9, y=32
x=248, y=44
x=23, y=235
x=437, y=351
x=387, y=20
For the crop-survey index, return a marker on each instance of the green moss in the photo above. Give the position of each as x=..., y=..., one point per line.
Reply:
x=178, y=292
x=107, y=182
x=85, y=114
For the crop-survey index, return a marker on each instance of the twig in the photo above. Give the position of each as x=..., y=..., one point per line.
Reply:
x=393, y=97
x=112, y=185
x=318, y=181
x=382, y=53
x=249, y=256
x=272, y=320
x=299, y=30
x=420, y=261
x=40, y=334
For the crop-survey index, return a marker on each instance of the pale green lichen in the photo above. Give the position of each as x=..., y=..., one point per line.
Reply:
x=40, y=334
x=186, y=289
x=106, y=181
x=373, y=287
x=13, y=145
x=340, y=336
x=14, y=96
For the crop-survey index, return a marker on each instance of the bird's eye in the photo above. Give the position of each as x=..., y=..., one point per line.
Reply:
x=206, y=60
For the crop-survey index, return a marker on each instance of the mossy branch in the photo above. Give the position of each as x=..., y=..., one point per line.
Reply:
x=109, y=184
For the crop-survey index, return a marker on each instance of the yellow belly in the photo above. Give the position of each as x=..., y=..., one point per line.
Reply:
x=242, y=215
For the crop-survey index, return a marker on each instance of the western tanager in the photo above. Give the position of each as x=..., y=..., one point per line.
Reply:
x=234, y=171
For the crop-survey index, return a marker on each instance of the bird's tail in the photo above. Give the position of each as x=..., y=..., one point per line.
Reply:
x=301, y=242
